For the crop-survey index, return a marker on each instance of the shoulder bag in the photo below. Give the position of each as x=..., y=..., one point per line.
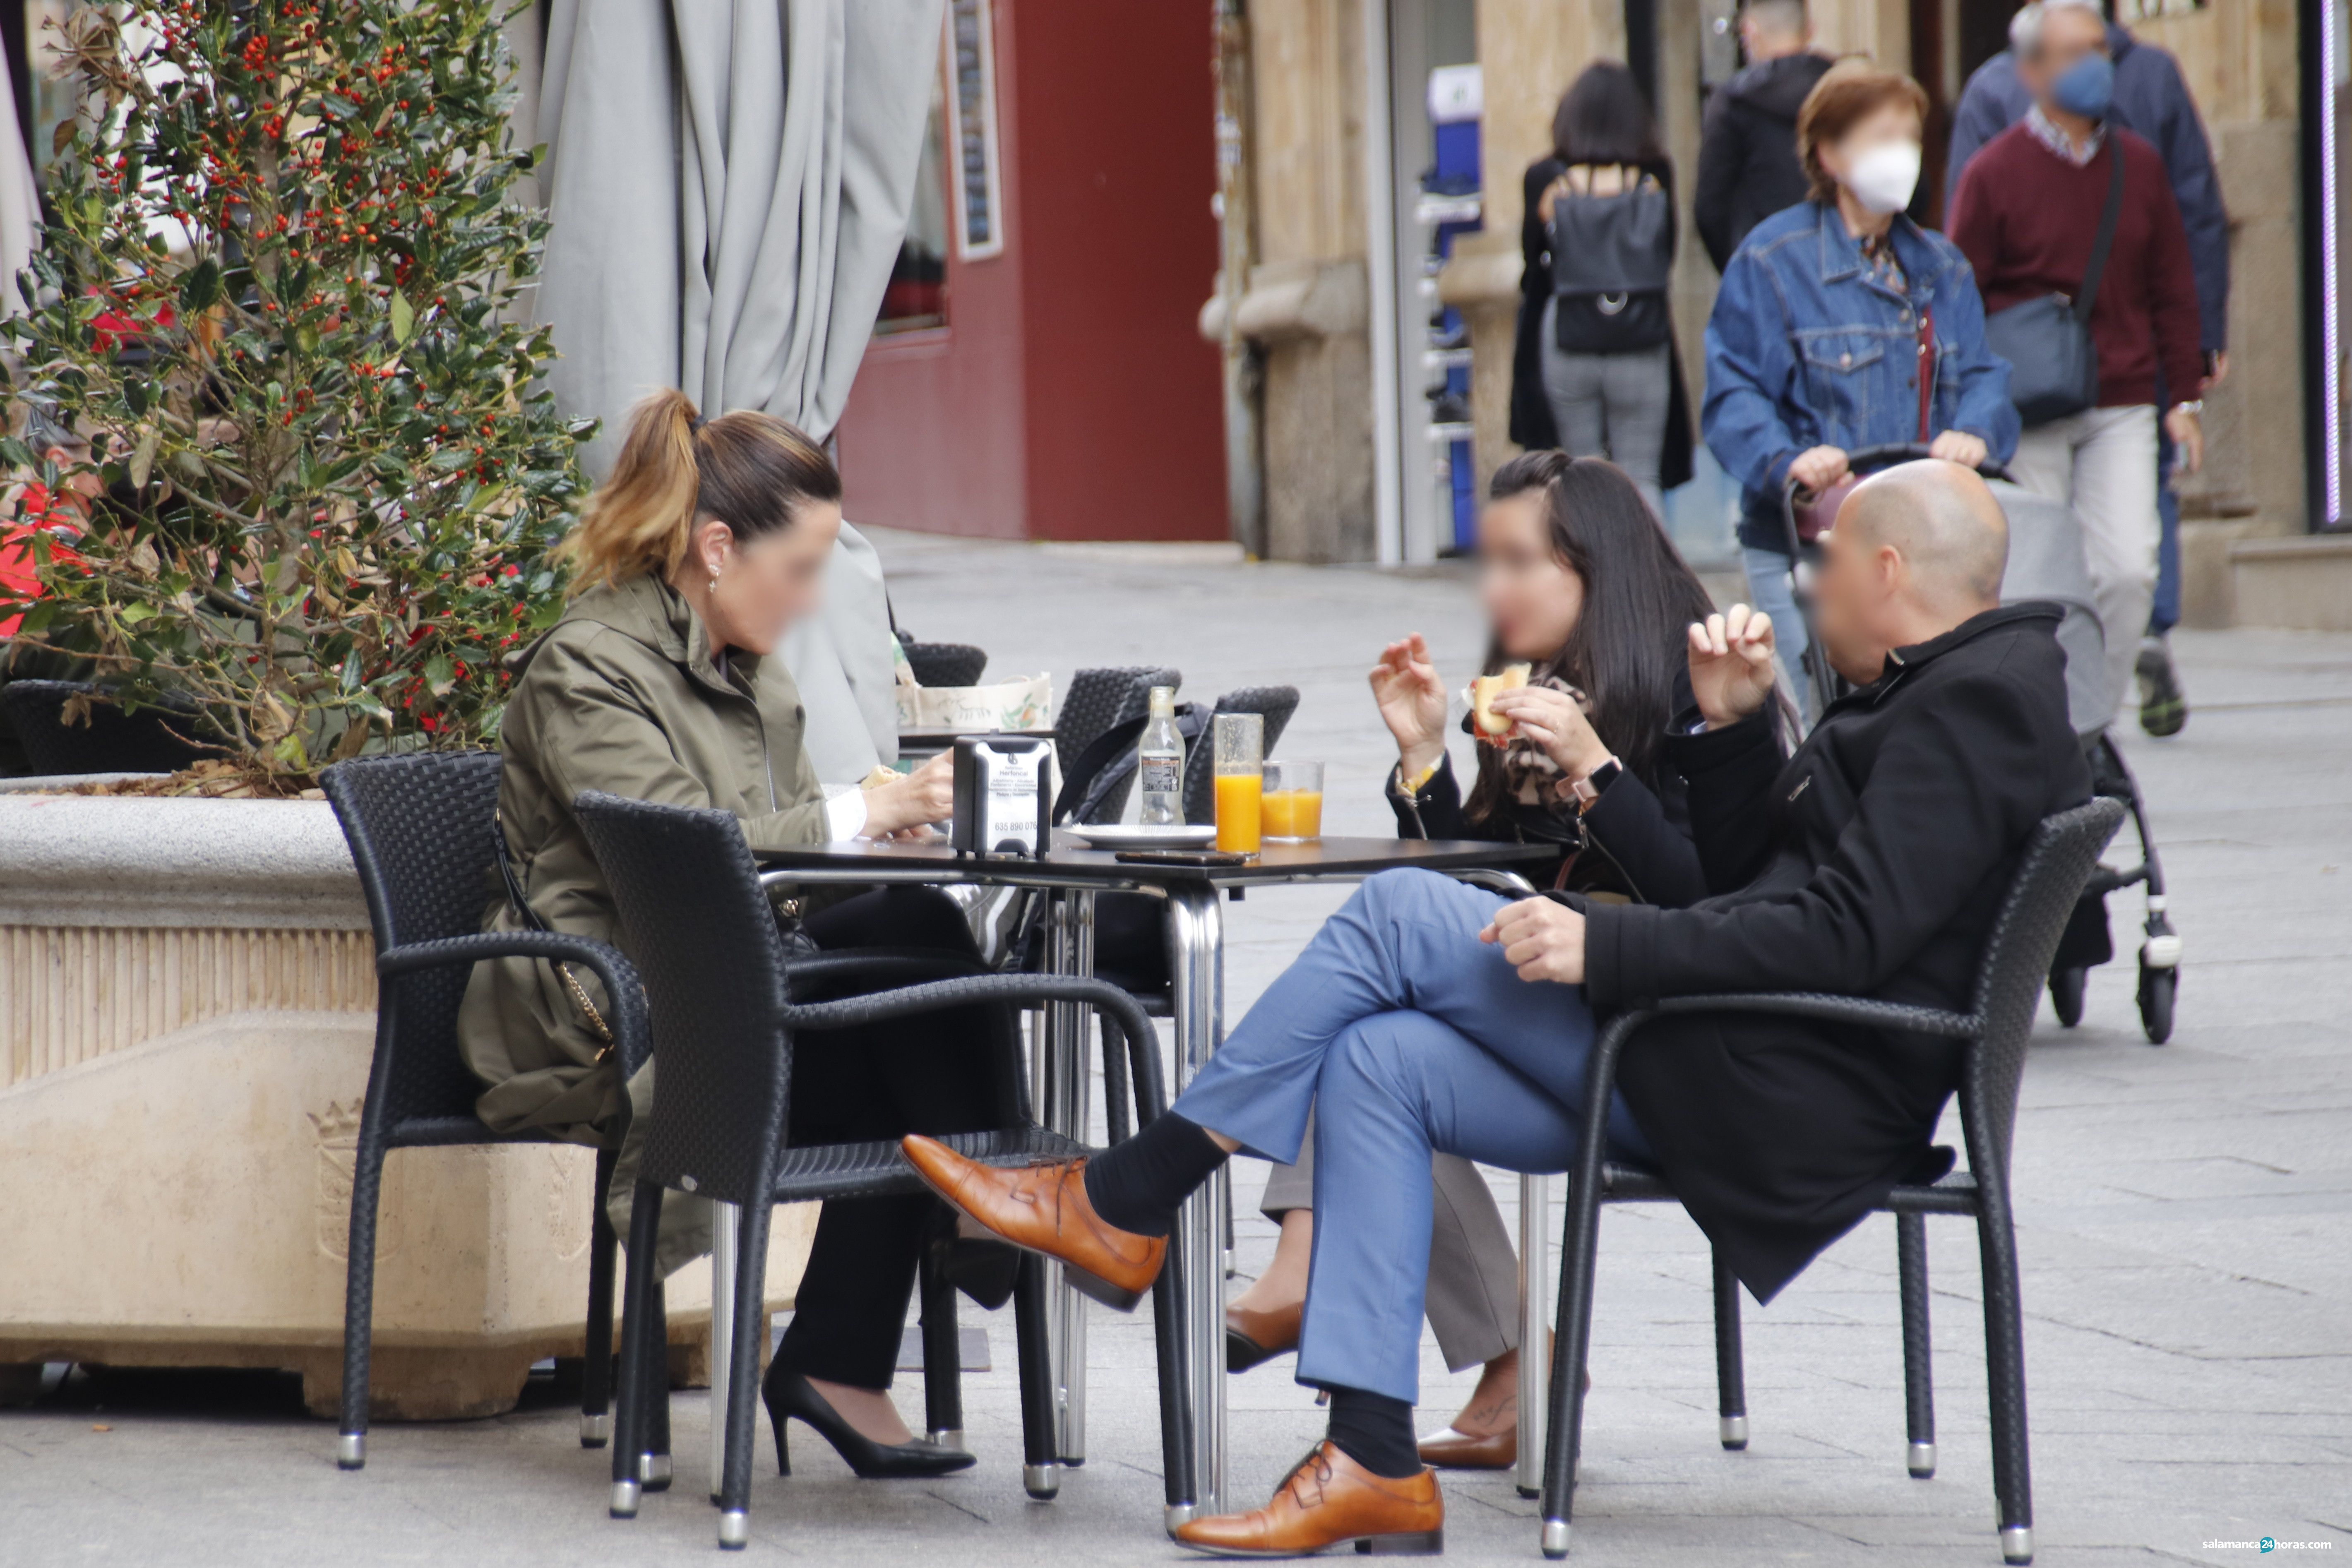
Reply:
x=2053, y=366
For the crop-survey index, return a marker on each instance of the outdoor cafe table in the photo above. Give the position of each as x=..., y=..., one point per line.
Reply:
x=1070, y=876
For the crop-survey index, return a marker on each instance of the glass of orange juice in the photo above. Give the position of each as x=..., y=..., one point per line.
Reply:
x=1239, y=739
x=1293, y=810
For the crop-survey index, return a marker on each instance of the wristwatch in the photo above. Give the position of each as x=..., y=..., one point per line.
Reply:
x=1589, y=789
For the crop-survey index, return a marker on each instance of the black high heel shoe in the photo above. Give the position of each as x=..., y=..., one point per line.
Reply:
x=788, y=1394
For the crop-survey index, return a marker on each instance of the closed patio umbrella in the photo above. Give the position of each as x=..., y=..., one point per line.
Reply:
x=729, y=182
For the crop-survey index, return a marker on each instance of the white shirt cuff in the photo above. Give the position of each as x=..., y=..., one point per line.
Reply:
x=845, y=815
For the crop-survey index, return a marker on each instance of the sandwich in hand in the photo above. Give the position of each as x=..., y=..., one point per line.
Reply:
x=1491, y=726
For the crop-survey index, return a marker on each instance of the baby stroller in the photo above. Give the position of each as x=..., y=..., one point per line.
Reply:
x=2046, y=562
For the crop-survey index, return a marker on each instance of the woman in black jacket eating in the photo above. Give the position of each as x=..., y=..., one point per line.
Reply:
x=1581, y=585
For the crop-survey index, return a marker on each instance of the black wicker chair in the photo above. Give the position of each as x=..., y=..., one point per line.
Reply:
x=1098, y=704
x=724, y=1019
x=1276, y=704
x=946, y=663
x=419, y=828
x=112, y=740
x=2058, y=860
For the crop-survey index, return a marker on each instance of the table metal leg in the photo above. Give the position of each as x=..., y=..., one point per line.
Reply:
x=1535, y=1330
x=1197, y=964
x=722, y=1336
x=1067, y=1075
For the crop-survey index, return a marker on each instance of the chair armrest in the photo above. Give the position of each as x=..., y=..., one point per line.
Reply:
x=1834, y=1009
x=1142, y=1040
x=903, y=965
x=632, y=1033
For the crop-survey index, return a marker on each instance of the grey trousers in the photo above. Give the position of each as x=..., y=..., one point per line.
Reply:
x=1610, y=405
x=1474, y=1272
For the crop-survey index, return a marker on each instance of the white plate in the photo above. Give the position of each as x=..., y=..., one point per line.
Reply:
x=1134, y=836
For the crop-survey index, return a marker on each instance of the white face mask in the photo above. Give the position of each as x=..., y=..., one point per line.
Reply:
x=1883, y=175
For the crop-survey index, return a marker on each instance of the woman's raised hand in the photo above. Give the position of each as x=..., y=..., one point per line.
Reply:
x=1731, y=665
x=925, y=796
x=1555, y=722
x=1412, y=702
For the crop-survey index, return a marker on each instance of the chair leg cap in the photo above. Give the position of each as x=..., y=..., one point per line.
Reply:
x=1921, y=1460
x=625, y=1501
x=1554, y=1538
x=1734, y=1431
x=734, y=1530
x=1043, y=1482
x=654, y=1470
x=596, y=1430
x=947, y=1438
x=351, y=1451
x=2017, y=1545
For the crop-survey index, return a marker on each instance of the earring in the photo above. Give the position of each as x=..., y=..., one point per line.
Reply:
x=714, y=579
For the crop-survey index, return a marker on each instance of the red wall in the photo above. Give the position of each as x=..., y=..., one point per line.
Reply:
x=1070, y=395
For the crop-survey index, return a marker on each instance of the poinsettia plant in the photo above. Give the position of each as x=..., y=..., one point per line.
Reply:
x=277, y=300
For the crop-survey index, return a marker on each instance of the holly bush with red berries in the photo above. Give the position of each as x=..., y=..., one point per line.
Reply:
x=277, y=298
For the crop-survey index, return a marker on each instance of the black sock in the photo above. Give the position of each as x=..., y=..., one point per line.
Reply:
x=1138, y=1185
x=1375, y=1431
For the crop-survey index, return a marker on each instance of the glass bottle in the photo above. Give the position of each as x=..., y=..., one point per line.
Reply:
x=1159, y=762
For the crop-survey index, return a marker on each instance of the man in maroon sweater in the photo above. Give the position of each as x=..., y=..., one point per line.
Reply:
x=2025, y=214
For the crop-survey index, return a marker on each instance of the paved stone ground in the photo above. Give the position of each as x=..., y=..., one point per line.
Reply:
x=2186, y=1223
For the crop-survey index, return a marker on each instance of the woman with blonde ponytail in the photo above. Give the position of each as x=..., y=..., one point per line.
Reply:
x=708, y=540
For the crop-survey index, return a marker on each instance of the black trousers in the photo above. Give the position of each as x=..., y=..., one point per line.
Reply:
x=940, y=1072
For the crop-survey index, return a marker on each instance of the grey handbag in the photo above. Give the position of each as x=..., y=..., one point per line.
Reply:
x=2053, y=366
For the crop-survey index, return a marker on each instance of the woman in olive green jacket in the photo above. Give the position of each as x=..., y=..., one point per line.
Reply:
x=706, y=544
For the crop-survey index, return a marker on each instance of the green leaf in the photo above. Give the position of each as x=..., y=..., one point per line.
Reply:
x=132, y=615
x=440, y=674
x=201, y=290
x=404, y=318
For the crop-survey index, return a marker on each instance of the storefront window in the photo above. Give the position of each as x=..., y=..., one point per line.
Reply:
x=917, y=297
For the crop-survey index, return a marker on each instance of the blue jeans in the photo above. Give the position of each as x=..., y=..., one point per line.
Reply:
x=1414, y=1037
x=2165, y=614
x=1768, y=589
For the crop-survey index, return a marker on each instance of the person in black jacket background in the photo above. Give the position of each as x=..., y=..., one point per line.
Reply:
x=1579, y=581
x=1872, y=863
x=1748, y=167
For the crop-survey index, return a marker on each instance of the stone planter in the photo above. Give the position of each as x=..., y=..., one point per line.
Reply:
x=187, y=998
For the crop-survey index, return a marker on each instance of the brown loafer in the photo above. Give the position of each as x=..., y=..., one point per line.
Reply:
x=1329, y=1500
x=1451, y=1450
x=1043, y=1209
x=1253, y=1337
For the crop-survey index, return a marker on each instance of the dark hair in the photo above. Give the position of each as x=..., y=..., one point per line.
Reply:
x=1849, y=92
x=752, y=471
x=1640, y=598
x=1604, y=118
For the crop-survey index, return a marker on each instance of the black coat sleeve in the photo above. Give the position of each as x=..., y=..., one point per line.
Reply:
x=1729, y=774
x=1434, y=811
x=1952, y=793
x=1720, y=160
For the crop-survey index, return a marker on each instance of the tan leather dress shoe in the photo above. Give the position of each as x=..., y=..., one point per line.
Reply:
x=1329, y=1500
x=1451, y=1450
x=1252, y=1338
x=1044, y=1209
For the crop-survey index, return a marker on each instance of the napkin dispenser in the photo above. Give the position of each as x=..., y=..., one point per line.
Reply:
x=1003, y=797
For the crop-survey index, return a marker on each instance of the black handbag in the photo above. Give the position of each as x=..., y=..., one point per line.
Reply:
x=1612, y=257
x=2053, y=366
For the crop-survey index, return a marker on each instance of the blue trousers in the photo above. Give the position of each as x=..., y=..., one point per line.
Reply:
x=1413, y=1036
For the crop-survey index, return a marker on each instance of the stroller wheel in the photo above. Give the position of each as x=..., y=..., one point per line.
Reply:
x=2066, y=995
x=2156, y=989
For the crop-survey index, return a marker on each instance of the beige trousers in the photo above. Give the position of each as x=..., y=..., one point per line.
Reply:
x=2102, y=462
x=1474, y=1272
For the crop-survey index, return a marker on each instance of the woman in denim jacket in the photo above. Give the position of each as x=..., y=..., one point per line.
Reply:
x=1816, y=347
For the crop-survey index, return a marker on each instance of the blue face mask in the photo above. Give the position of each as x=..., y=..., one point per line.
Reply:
x=2086, y=88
